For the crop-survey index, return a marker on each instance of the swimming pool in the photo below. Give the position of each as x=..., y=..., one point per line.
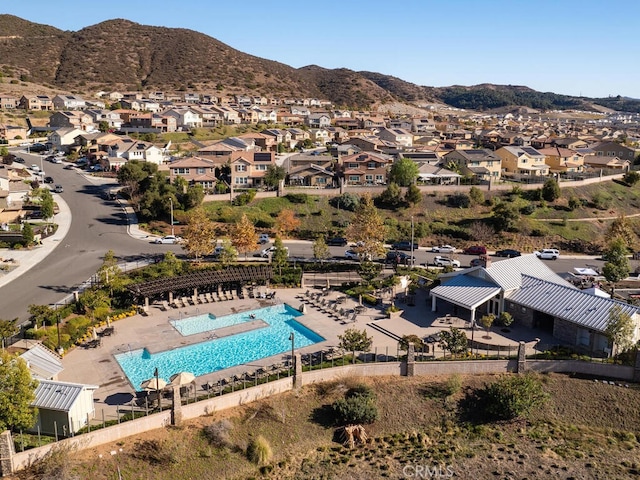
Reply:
x=217, y=354
x=208, y=322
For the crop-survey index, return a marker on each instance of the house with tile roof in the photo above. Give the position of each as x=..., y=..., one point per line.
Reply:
x=525, y=161
x=537, y=298
x=365, y=168
x=563, y=160
x=196, y=170
x=481, y=163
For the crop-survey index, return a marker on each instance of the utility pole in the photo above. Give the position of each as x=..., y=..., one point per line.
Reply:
x=171, y=203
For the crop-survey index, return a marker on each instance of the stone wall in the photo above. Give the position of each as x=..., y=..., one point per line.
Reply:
x=565, y=331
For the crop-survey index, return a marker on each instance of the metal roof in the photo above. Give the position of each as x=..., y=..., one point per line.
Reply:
x=58, y=395
x=508, y=273
x=567, y=302
x=42, y=362
x=467, y=291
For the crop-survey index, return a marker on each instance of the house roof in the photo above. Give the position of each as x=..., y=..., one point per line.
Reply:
x=58, y=395
x=42, y=362
x=466, y=290
x=508, y=273
x=567, y=302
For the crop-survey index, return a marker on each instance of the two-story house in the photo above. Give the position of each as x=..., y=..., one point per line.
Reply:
x=614, y=149
x=396, y=135
x=72, y=119
x=248, y=168
x=481, y=163
x=36, y=102
x=198, y=170
x=185, y=117
x=523, y=161
x=563, y=160
x=68, y=102
x=365, y=168
x=318, y=120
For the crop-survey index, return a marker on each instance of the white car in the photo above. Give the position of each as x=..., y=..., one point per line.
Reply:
x=269, y=251
x=548, y=254
x=440, y=261
x=443, y=249
x=169, y=239
x=353, y=255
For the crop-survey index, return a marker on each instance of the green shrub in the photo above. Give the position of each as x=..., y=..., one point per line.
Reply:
x=528, y=209
x=358, y=407
x=259, y=451
x=513, y=396
x=459, y=200
x=297, y=197
x=453, y=384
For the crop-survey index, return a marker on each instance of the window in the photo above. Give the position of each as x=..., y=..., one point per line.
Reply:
x=242, y=180
x=261, y=168
x=353, y=165
x=201, y=170
x=182, y=171
x=371, y=165
x=322, y=180
x=241, y=168
x=368, y=178
x=354, y=178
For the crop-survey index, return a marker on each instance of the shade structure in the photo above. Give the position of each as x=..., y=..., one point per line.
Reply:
x=154, y=384
x=182, y=378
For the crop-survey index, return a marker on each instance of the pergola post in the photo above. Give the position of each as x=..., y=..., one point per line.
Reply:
x=433, y=303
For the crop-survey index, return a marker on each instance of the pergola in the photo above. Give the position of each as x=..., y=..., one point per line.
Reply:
x=204, y=280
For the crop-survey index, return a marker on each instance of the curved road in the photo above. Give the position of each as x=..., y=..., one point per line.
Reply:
x=97, y=226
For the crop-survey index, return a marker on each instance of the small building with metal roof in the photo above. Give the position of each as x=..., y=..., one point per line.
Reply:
x=537, y=298
x=63, y=408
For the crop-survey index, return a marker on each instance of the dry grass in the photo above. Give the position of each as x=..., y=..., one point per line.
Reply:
x=587, y=430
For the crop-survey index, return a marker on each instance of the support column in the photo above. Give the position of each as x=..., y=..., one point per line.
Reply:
x=176, y=406
x=522, y=358
x=433, y=303
x=7, y=451
x=411, y=360
x=146, y=303
x=297, y=371
x=170, y=298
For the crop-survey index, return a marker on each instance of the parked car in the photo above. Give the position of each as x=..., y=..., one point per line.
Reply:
x=35, y=168
x=48, y=179
x=18, y=159
x=508, y=253
x=337, y=242
x=477, y=262
x=38, y=147
x=475, y=250
x=269, y=251
x=351, y=255
x=440, y=261
x=548, y=254
x=443, y=249
x=58, y=189
x=398, y=257
x=69, y=166
x=170, y=239
x=404, y=245
x=263, y=238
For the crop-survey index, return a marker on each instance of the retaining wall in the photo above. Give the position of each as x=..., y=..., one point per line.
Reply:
x=622, y=372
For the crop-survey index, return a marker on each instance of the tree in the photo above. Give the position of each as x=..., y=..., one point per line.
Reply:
x=619, y=330
x=621, y=228
x=8, y=328
x=41, y=314
x=631, y=177
x=274, y=175
x=280, y=255
x=354, y=340
x=91, y=300
x=413, y=195
x=454, y=340
x=505, y=217
x=616, y=267
x=110, y=274
x=320, y=249
x=244, y=236
x=229, y=254
x=369, y=270
x=357, y=407
x=412, y=338
x=391, y=197
x=486, y=321
x=17, y=393
x=199, y=234
x=27, y=234
x=286, y=222
x=368, y=228
x=505, y=319
x=476, y=195
x=404, y=172
x=551, y=190
x=46, y=203
x=103, y=126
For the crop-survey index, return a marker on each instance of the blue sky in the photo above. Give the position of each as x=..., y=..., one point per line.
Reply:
x=574, y=47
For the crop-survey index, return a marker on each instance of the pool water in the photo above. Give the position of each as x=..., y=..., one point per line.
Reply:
x=221, y=353
x=208, y=322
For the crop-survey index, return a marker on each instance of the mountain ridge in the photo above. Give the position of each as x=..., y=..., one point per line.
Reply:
x=121, y=54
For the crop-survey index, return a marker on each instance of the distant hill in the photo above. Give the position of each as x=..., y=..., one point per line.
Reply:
x=123, y=55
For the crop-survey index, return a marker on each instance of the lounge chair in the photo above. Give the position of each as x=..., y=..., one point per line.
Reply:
x=209, y=297
x=177, y=303
x=164, y=306
x=185, y=301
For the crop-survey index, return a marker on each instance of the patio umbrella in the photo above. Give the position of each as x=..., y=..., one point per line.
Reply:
x=152, y=385
x=94, y=333
x=108, y=321
x=182, y=378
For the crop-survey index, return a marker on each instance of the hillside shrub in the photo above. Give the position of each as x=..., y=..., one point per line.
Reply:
x=259, y=451
x=357, y=407
x=244, y=198
x=459, y=200
x=297, y=197
x=346, y=201
x=218, y=433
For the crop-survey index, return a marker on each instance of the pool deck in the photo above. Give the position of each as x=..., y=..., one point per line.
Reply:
x=97, y=366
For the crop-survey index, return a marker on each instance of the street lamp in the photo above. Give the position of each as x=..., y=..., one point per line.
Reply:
x=171, y=203
x=292, y=338
x=412, y=259
x=156, y=374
